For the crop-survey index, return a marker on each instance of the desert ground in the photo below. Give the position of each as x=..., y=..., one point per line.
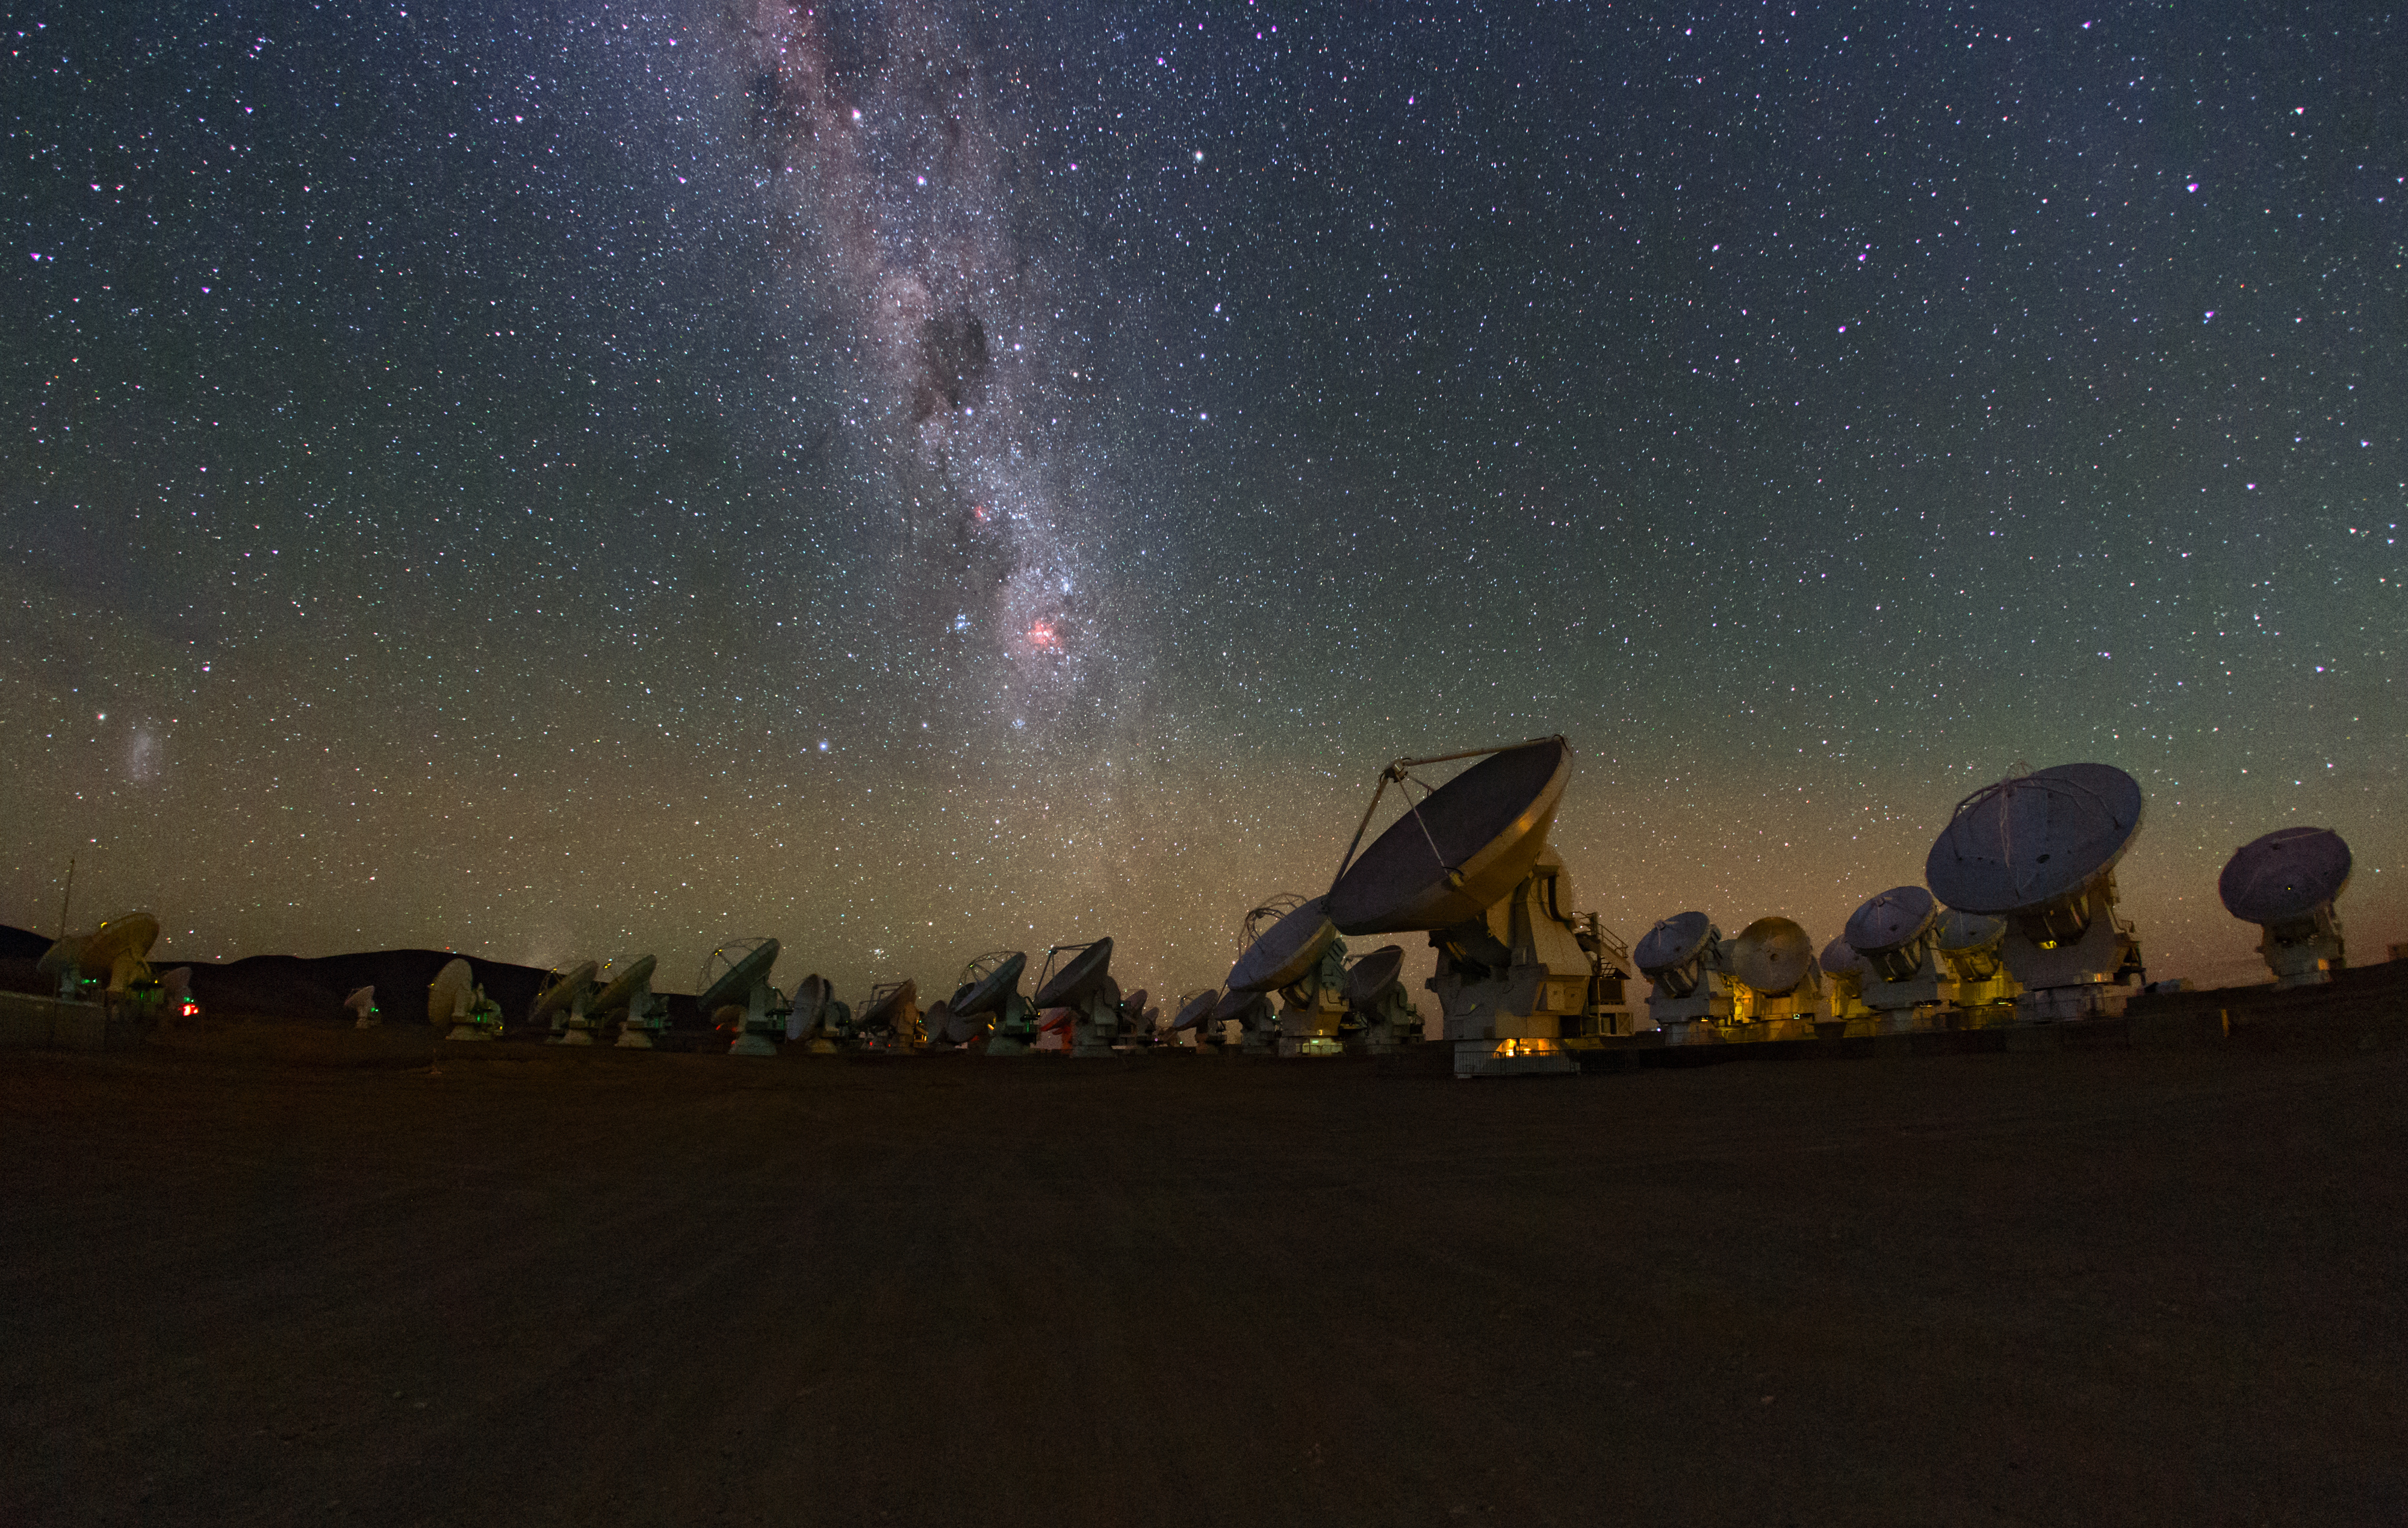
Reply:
x=278, y=1273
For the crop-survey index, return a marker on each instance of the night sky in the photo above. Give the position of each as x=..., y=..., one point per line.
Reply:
x=550, y=479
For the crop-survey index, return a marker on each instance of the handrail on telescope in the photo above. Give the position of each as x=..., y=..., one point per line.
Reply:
x=1400, y=772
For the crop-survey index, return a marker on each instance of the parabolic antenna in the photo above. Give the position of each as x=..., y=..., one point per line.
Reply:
x=1076, y=981
x=1286, y=950
x=1133, y=1006
x=2285, y=876
x=625, y=987
x=1963, y=933
x=812, y=995
x=1896, y=918
x=1367, y=978
x=739, y=970
x=1195, y=1011
x=61, y=955
x=362, y=1003
x=1840, y=958
x=1673, y=943
x=988, y=992
x=563, y=992
x=1237, y=1005
x=885, y=1007
x=1459, y=849
x=2020, y=845
x=117, y=947
x=1772, y=954
x=449, y=993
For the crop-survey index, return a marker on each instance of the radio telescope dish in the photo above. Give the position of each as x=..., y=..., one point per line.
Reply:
x=1968, y=933
x=1195, y=1011
x=1893, y=920
x=448, y=995
x=2024, y=843
x=362, y=1005
x=117, y=947
x=563, y=992
x=1085, y=975
x=733, y=970
x=1373, y=975
x=2285, y=876
x=1458, y=850
x=622, y=992
x=1838, y=957
x=988, y=991
x=885, y=1008
x=1672, y=943
x=2286, y=882
x=1285, y=951
x=1772, y=954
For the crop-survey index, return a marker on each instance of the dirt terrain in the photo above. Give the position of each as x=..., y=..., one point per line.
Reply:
x=278, y=1273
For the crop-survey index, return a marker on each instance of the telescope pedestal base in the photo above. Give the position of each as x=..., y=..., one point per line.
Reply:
x=572, y=1037
x=634, y=1039
x=750, y=1044
x=1513, y=1058
x=469, y=1031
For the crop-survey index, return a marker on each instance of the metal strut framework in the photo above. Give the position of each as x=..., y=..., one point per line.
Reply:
x=1401, y=772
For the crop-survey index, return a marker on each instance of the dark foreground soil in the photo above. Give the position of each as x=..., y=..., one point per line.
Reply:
x=274, y=1275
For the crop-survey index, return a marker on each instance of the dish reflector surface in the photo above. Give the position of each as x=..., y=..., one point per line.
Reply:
x=2286, y=875
x=1840, y=958
x=1772, y=954
x=1198, y=1010
x=564, y=991
x=737, y=979
x=1083, y=976
x=1453, y=854
x=1894, y=919
x=133, y=934
x=1673, y=943
x=622, y=990
x=882, y=1007
x=444, y=994
x=1286, y=950
x=1372, y=975
x=1961, y=930
x=992, y=988
x=2022, y=844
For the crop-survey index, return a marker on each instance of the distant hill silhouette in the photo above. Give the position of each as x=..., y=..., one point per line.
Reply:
x=291, y=988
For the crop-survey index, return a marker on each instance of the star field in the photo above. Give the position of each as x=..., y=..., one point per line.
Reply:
x=909, y=480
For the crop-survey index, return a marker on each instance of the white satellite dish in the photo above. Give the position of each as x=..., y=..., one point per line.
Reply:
x=1085, y=986
x=1378, y=997
x=1681, y=958
x=890, y=1018
x=818, y=1018
x=453, y=998
x=117, y=947
x=739, y=970
x=1773, y=959
x=1301, y=957
x=1457, y=851
x=2040, y=850
x=645, y=1014
x=563, y=1004
x=992, y=980
x=1845, y=972
x=1258, y=1026
x=1195, y=1011
x=2286, y=883
x=361, y=1003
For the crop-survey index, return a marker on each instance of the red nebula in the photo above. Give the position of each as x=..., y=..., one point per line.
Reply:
x=1042, y=637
